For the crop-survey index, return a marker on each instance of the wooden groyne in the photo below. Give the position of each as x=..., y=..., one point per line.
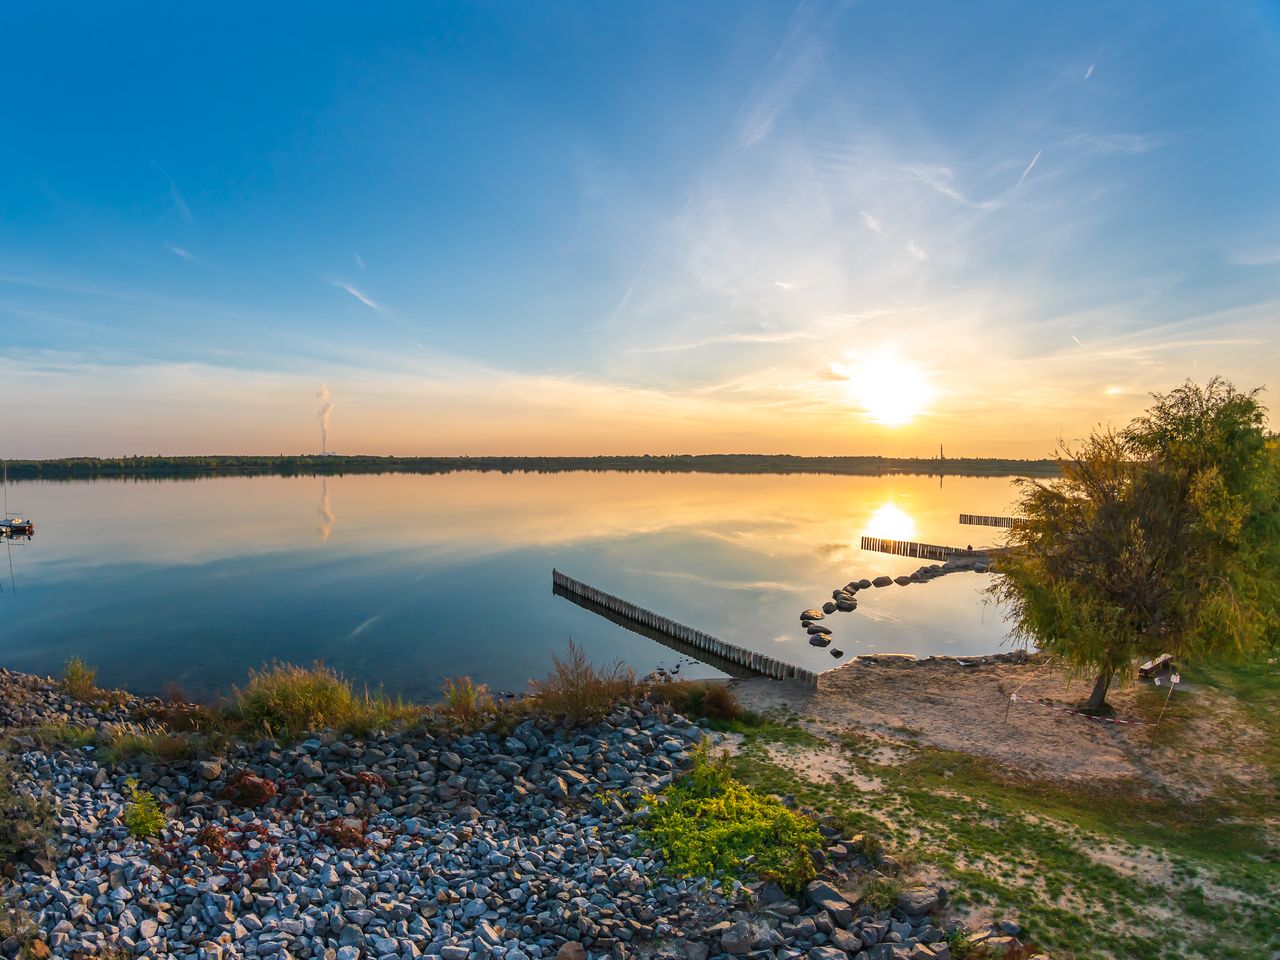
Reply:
x=978, y=520
x=924, y=551
x=702, y=646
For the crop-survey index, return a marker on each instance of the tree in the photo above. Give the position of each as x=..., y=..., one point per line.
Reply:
x=1160, y=538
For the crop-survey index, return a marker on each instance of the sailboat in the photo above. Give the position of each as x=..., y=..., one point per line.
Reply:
x=12, y=525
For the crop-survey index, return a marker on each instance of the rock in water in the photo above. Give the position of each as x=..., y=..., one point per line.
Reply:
x=882, y=581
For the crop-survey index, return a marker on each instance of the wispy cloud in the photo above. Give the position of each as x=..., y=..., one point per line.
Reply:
x=916, y=250
x=1027, y=172
x=936, y=178
x=178, y=200
x=784, y=336
x=788, y=71
x=185, y=254
x=359, y=261
x=871, y=222
x=1089, y=73
x=366, y=300
x=1264, y=257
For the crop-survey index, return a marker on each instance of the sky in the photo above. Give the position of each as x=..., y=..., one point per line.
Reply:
x=660, y=227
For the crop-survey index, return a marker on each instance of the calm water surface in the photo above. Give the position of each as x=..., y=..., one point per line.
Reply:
x=400, y=581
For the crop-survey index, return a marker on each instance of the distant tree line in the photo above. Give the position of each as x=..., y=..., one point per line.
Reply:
x=77, y=468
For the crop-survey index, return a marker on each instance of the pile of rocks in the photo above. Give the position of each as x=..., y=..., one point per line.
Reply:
x=520, y=846
x=844, y=599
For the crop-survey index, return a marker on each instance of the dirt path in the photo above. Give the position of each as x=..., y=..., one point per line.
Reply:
x=947, y=704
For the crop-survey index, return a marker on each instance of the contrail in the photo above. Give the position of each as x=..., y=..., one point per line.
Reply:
x=325, y=412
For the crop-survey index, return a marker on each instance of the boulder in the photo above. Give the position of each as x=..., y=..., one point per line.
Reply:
x=829, y=607
x=846, y=604
x=819, y=640
x=918, y=900
x=822, y=895
x=817, y=628
x=572, y=951
x=740, y=939
x=882, y=581
x=811, y=614
x=902, y=581
x=827, y=953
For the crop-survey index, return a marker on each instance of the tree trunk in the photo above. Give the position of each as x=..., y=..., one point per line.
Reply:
x=1098, y=699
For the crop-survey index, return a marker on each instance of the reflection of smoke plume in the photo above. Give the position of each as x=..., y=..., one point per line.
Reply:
x=325, y=513
x=325, y=412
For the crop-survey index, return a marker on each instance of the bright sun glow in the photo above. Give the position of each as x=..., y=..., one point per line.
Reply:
x=891, y=522
x=891, y=390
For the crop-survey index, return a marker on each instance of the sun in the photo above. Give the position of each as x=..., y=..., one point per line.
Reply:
x=891, y=390
x=890, y=522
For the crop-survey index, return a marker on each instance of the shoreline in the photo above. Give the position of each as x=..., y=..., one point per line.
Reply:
x=519, y=844
x=192, y=467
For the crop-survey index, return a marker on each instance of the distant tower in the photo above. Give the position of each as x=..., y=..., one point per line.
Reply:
x=940, y=454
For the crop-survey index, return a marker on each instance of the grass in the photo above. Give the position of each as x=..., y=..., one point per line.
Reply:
x=285, y=700
x=25, y=824
x=710, y=824
x=161, y=745
x=1089, y=870
x=79, y=680
x=579, y=691
x=702, y=699
x=465, y=701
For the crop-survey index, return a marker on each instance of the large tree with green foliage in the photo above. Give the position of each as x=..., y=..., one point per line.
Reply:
x=1163, y=537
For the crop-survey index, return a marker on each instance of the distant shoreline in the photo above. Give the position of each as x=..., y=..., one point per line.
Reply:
x=109, y=468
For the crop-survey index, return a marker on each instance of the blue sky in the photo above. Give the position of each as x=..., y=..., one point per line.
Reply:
x=570, y=228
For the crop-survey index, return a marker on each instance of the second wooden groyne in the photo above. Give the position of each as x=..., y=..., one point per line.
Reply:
x=695, y=640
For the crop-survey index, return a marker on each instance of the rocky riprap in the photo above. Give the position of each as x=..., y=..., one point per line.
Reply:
x=452, y=845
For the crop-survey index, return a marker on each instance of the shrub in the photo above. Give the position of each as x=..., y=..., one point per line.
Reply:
x=288, y=700
x=579, y=691
x=79, y=680
x=213, y=837
x=700, y=698
x=709, y=824
x=142, y=814
x=25, y=823
x=347, y=833
x=248, y=789
x=879, y=892
x=465, y=701
x=18, y=929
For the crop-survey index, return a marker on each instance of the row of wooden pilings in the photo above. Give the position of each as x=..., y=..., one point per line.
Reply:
x=749, y=659
x=980, y=520
x=910, y=548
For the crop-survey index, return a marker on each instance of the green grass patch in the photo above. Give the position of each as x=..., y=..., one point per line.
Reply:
x=710, y=824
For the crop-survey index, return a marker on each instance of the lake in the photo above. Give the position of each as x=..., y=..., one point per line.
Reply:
x=401, y=580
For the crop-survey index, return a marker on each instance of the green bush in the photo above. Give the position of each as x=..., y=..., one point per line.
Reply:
x=287, y=700
x=709, y=824
x=142, y=814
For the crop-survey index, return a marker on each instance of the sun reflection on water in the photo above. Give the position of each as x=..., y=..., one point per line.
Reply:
x=890, y=522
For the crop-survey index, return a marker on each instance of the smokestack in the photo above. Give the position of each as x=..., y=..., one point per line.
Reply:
x=325, y=412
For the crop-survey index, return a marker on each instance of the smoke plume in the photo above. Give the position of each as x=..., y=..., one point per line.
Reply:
x=324, y=414
x=326, y=513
